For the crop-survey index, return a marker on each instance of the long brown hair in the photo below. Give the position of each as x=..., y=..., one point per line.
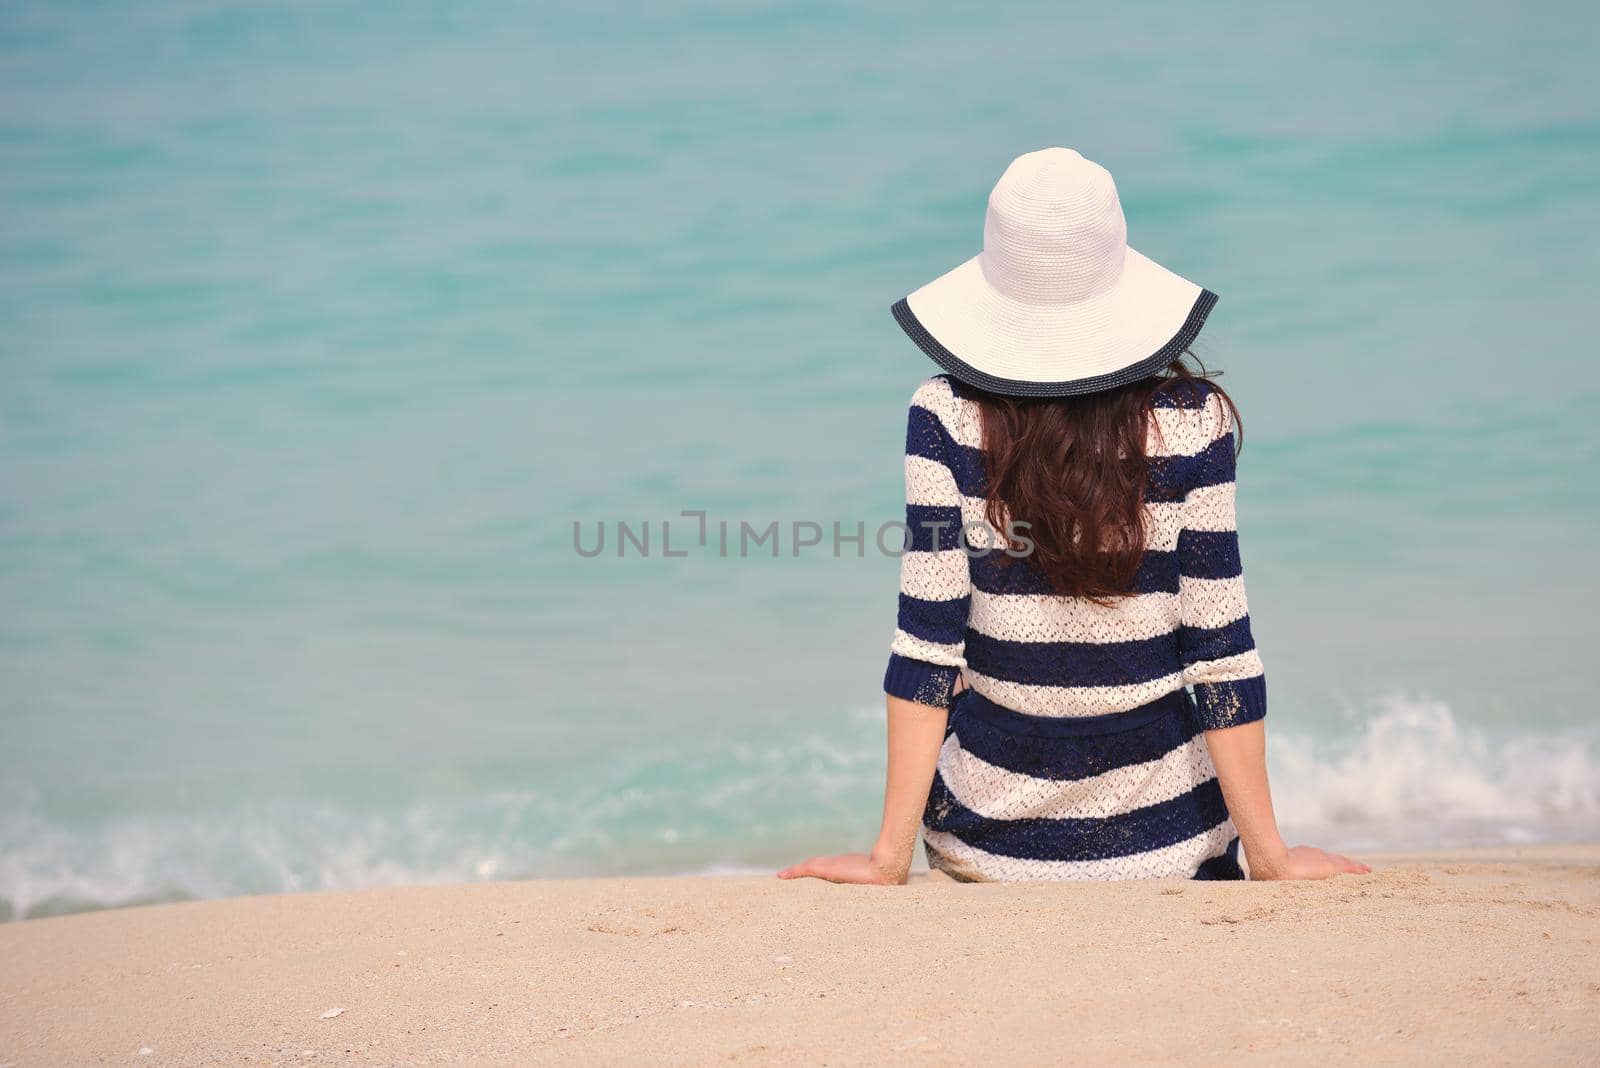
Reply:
x=1076, y=470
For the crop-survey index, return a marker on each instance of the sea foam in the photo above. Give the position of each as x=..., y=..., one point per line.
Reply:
x=1403, y=774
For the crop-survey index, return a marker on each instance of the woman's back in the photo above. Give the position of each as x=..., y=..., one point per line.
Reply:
x=1077, y=751
x=1024, y=647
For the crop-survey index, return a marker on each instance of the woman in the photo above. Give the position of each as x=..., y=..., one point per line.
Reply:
x=1040, y=721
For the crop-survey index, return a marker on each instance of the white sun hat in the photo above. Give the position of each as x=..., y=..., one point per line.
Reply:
x=1056, y=304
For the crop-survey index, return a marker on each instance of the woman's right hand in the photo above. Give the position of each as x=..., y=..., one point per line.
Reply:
x=863, y=868
x=1307, y=862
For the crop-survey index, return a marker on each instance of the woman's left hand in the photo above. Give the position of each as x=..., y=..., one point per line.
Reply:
x=846, y=868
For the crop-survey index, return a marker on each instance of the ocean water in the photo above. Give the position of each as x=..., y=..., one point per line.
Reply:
x=322, y=323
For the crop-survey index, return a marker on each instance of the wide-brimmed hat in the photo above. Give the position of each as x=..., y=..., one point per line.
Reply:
x=1056, y=304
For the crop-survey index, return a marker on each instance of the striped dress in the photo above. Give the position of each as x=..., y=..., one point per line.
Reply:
x=1076, y=750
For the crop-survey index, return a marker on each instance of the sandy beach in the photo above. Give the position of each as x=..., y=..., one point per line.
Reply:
x=1471, y=957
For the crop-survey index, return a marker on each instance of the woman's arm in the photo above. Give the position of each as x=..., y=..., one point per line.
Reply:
x=916, y=733
x=1240, y=756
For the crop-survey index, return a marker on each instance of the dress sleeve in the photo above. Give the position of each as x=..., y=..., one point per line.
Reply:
x=1218, y=652
x=929, y=647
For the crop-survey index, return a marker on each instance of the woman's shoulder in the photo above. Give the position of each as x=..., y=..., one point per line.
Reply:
x=940, y=405
x=1190, y=394
x=939, y=393
x=1191, y=414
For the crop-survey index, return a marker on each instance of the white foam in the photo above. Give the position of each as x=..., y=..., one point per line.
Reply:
x=1403, y=774
x=1410, y=775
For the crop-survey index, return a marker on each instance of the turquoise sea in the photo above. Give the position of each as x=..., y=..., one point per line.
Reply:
x=322, y=323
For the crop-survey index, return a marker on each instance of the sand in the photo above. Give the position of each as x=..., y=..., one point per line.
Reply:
x=1474, y=957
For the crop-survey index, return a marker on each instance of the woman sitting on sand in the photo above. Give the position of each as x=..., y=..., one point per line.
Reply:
x=1072, y=567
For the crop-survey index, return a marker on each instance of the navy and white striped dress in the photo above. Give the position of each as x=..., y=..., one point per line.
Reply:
x=1076, y=751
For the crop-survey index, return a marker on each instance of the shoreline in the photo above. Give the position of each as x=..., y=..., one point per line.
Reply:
x=1484, y=955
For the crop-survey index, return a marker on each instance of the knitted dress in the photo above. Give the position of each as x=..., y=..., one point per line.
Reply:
x=1076, y=751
